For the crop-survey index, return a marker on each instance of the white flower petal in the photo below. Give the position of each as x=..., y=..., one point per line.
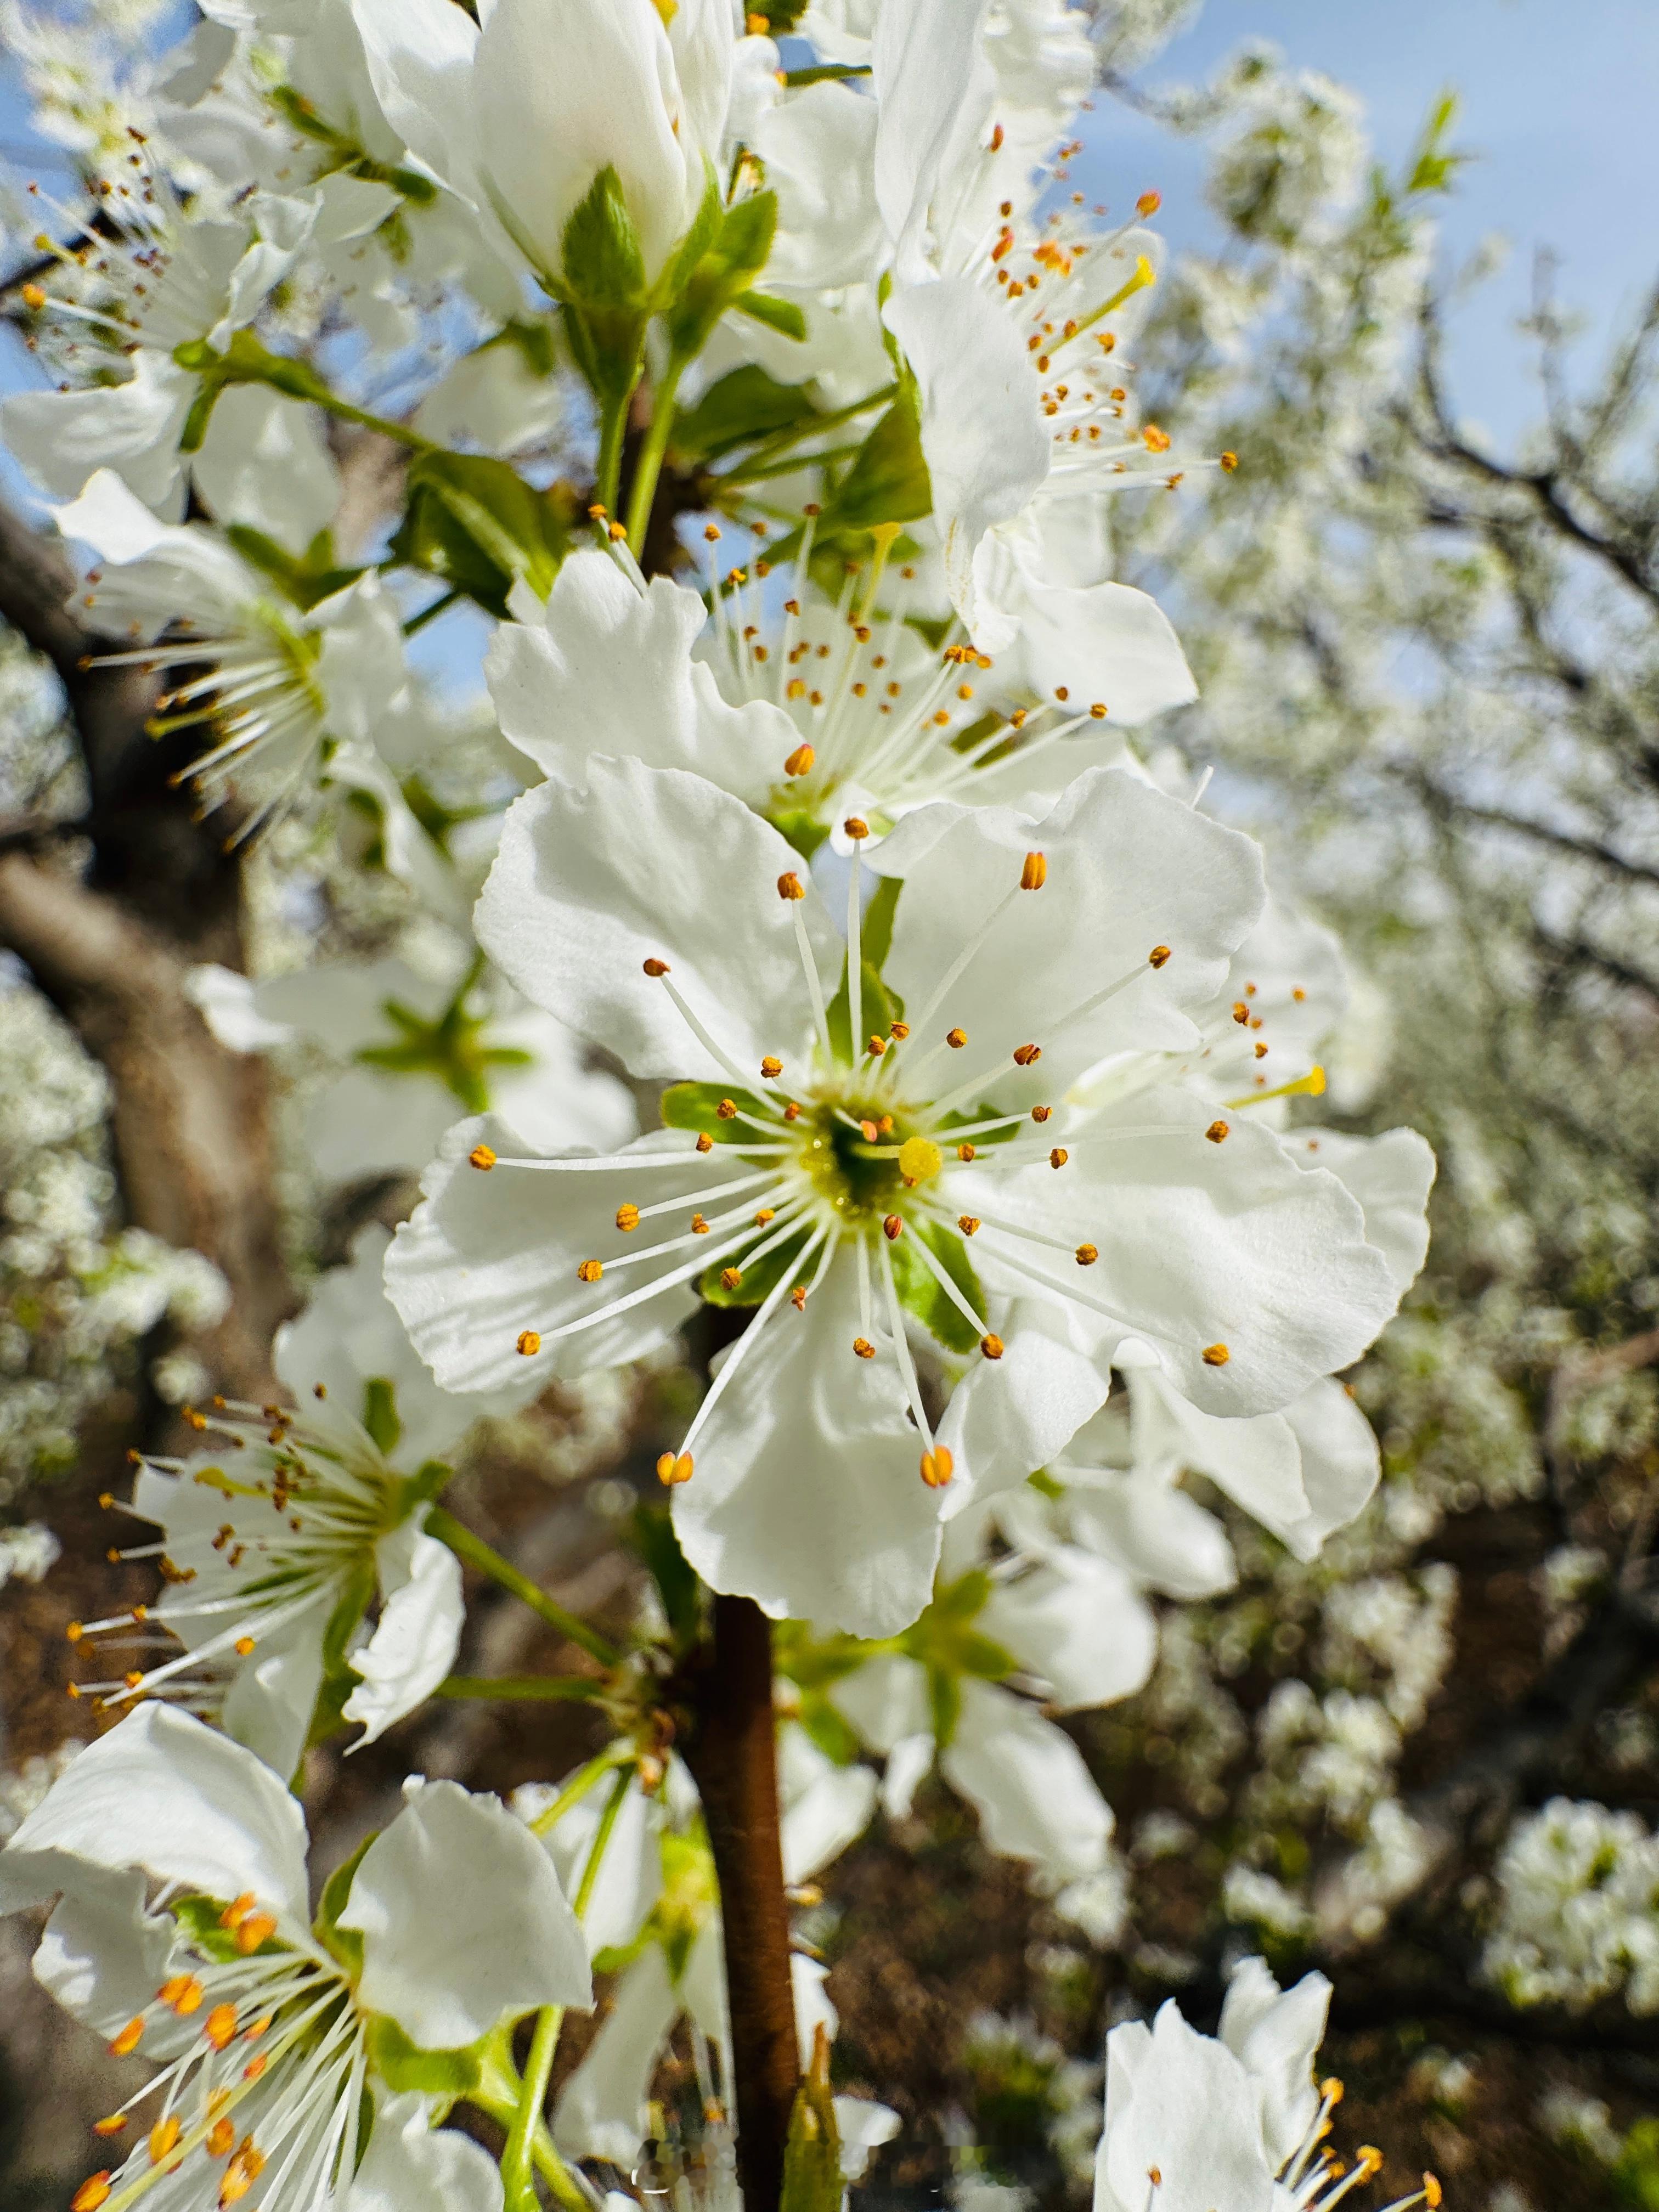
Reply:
x=1180, y=2102
x=601, y=2111
x=653, y=864
x=1079, y=1623
x=1026, y=1779
x=807, y=1494
x=825, y=1807
x=1276, y=2037
x=1391, y=1175
x=164, y=1792
x=463, y=1921
x=418, y=1634
x=411, y=2166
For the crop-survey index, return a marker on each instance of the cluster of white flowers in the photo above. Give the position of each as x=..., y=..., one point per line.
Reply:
x=1578, y=1909
x=960, y=1046
x=77, y=1291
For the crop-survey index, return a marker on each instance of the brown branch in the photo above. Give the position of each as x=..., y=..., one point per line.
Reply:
x=732, y=1752
x=112, y=949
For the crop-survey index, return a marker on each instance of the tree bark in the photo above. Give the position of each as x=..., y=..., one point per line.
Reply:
x=733, y=1755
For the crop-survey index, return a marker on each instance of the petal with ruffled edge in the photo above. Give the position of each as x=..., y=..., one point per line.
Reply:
x=1230, y=1251
x=1009, y=1416
x=1026, y=1779
x=608, y=667
x=417, y=1635
x=1153, y=1530
x=463, y=1920
x=1275, y=2036
x=1391, y=1175
x=1079, y=1623
x=164, y=1792
x=806, y=1495
x=60, y=437
x=601, y=2111
x=653, y=864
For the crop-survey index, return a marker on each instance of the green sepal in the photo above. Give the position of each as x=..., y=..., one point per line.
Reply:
x=887, y=481
x=474, y=522
x=349, y=158
x=745, y=405
x=919, y=1290
x=697, y=1106
x=328, y=1713
x=653, y=1538
x=201, y=1921
x=946, y=1642
x=811, y=2156
x=805, y=832
x=345, y=1944
x=428, y=1481
x=600, y=259
x=403, y=2065
x=875, y=932
x=721, y=277
x=308, y=578
x=704, y=231
x=783, y=316
x=759, y=1281
x=380, y=1414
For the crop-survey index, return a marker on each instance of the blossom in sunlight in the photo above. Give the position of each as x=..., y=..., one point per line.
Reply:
x=1015, y=330
x=849, y=1156
x=282, y=2048
x=520, y=117
x=156, y=288
x=1237, y=2119
x=277, y=690
x=420, y=1049
x=809, y=709
x=274, y=1546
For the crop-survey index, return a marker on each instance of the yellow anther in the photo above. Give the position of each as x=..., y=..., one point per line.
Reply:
x=705, y=1143
x=255, y=1930
x=220, y=2138
x=74, y=1632
x=798, y=1297
x=674, y=1467
x=529, y=1343
x=1035, y=873
x=590, y=1271
x=790, y=886
x=162, y=2137
x=482, y=1156
x=112, y=2126
x=898, y=1031
x=124, y=2045
x=764, y=1214
x=1215, y=1355
x=862, y=1347
x=878, y=1046
x=219, y=2026
x=1217, y=1133
x=966, y=1151
x=1087, y=1254
x=244, y=1645
x=699, y=1226
x=711, y=529
x=937, y=1468
x=1431, y=2193
x=955, y=1039
x=1059, y=1157
x=726, y=1110
x=771, y=1067
x=968, y=1224
x=731, y=1278
x=799, y=762
x=94, y=2191
x=627, y=1217
x=991, y=1346
x=1230, y=462
x=856, y=828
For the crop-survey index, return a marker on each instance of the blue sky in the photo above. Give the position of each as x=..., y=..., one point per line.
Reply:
x=1558, y=104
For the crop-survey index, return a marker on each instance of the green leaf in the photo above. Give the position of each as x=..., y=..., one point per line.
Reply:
x=888, y=481
x=722, y=276
x=345, y=1944
x=380, y=1414
x=306, y=578
x=744, y=404
x=658, y=1547
x=245, y=360
x=475, y=522
x=602, y=263
x=403, y=2065
x=757, y=1282
x=202, y=1920
x=697, y=1106
x=782, y=316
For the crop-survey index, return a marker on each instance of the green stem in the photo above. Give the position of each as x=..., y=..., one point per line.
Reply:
x=613, y=420
x=781, y=441
x=648, y=467
x=399, y=433
x=519, y=2159
x=441, y=605
x=477, y=1554
x=579, y=1785
x=525, y=2150
x=520, y=1685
